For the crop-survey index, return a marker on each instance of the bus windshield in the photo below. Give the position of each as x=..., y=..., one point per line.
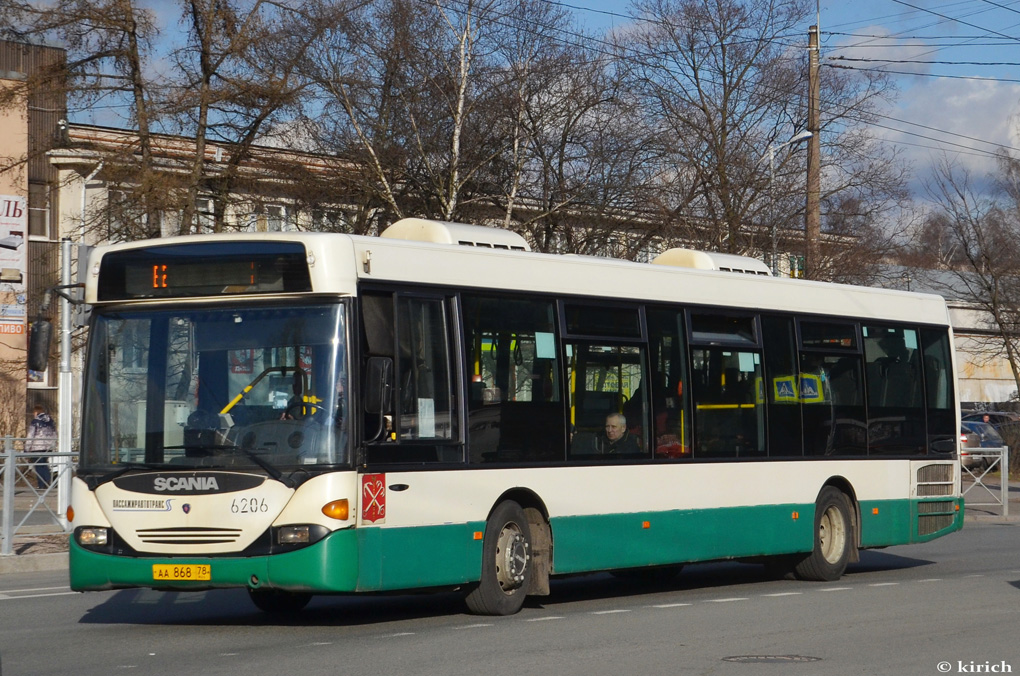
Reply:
x=252, y=388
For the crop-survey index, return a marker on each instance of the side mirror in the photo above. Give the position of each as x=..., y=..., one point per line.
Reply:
x=40, y=337
x=379, y=386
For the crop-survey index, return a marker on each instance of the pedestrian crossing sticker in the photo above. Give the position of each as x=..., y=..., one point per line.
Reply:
x=786, y=389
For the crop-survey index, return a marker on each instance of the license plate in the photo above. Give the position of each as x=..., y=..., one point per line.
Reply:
x=181, y=573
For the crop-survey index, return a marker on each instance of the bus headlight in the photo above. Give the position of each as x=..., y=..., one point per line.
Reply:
x=293, y=535
x=93, y=537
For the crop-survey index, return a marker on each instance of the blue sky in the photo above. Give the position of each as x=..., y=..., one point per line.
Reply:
x=951, y=102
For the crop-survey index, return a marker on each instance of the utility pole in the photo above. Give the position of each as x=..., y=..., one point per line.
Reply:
x=813, y=207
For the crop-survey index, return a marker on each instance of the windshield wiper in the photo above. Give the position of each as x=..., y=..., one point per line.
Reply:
x=270, y=469
x=124, y=468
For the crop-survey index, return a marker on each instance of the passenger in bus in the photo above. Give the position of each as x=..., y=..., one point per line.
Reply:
x=616, y=439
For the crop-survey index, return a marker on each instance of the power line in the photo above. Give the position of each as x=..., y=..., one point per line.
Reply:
x=926, y=61
x=905, y=72
x=960, y=21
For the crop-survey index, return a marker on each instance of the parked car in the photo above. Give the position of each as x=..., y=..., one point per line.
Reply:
x=988, y=435
x=976, y=435
x=969, y=443
x=996, y=418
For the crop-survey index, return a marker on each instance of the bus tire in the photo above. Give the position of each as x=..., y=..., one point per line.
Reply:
x=278, y=602
x=833, y=538
x=506, y=563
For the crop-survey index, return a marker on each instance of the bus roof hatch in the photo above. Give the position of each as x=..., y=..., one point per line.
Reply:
x=711, y=260
x=444, y=232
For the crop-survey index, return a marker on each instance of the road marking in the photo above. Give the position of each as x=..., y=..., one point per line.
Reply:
x=931, y=579
x=403, y=633
x=474, y=626
x=229, y=654
x=828, y=589
x=671, y=605
x=34, y=589
x=784, y=594
x=544, y=619
x=883, y=584
x=974, y=575
x=736, y=598
x=609, y=612
x=6, y=597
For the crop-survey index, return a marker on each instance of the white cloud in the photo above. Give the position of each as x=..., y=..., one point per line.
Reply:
x=984, y=114
x=882, y=50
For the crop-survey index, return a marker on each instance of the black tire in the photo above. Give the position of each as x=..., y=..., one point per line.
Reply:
x=834, y=538
x=506, y=563
x=278, y=602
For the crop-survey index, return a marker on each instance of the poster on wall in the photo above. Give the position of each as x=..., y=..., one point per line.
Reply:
x=13, y=227
x=13, y=252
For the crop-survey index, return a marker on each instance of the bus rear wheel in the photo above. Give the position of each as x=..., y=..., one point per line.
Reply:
x=834, y=538
x=506, y=559
x=278, y=602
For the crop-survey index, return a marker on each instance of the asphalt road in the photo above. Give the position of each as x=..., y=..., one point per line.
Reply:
x=948, y=606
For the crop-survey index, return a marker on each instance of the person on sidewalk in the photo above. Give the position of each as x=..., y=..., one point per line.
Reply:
x=42, y=438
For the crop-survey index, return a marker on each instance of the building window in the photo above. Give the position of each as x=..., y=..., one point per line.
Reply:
x=38, y=211
x=329, y=220
x=205, y=215
x=276, y=218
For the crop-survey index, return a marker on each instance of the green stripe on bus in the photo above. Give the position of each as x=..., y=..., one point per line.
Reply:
x=384, y=559
x=583, y=543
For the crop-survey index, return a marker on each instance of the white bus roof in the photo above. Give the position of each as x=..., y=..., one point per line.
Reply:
x=338, y=262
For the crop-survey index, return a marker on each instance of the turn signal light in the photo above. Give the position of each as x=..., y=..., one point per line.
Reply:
x=338, y=509
x=70, y=514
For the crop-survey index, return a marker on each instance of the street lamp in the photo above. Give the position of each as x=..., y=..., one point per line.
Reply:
x=797, y=138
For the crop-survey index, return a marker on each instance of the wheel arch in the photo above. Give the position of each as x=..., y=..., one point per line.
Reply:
x=541, y=535
x=843, y=485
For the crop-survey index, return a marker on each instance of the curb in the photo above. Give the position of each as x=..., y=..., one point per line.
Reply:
x=32, y=563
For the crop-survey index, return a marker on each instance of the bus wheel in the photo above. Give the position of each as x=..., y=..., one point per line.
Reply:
x=278, y=602
x=506, y=558
x=834, y=537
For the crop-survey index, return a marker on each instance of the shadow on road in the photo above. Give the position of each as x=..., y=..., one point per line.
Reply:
x=233, y=608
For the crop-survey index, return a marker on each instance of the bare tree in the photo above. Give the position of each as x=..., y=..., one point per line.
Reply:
x=983, y=232
x=723, y=86
x=577, y=158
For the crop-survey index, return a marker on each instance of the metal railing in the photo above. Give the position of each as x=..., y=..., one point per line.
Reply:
x=27, y=508
x=994, y=460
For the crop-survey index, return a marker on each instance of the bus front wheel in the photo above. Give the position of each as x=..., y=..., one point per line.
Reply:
x=278, y=602
x=834, y=538
x=506, y=563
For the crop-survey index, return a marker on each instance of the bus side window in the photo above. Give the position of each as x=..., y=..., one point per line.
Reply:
x=832, y=389
x=781, y=386
x=896, y=419
x=607, y=380
x=668, y=362
x=727, y=386
x=515, y=412
x=940, y=404
x=413, y=333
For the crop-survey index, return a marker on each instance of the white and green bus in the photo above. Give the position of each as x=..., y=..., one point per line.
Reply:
x=440, y=408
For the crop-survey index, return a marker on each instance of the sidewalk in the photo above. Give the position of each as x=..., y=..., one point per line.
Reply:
x=38, y=547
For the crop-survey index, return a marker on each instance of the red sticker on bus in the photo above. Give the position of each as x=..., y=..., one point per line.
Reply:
x=373, y=498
